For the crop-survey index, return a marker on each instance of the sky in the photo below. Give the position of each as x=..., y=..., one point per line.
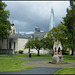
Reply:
x=27, y=14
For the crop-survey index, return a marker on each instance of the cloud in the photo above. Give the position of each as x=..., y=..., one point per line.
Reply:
x=27, y=14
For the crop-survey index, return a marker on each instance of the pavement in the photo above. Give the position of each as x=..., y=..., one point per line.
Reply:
x=39, y=70
x=44, y=67
x=27, y=58
x=47, y=64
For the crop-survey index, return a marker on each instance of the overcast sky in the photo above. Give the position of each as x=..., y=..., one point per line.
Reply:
x=27, y=15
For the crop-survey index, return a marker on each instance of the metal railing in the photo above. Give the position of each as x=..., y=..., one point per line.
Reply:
x=6, y=51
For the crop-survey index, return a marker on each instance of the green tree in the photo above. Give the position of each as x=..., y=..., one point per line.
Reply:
x=5, y=25
x=37, y=44
x=47, y=43
x=59, y=33
x=69, y=22
x=29, y=45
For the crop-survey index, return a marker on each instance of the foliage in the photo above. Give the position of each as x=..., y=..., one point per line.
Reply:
x=29, y=44
x=47, y=43
x=5, y=25
x=37, y=43
x=65, y=52
x=58, y=32
x=69, y=22
x=21, y=51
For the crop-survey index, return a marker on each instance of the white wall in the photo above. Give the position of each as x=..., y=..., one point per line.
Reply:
x=4, y=44
x=21, y=44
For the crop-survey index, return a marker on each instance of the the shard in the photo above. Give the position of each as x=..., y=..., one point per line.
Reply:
x=52, y=20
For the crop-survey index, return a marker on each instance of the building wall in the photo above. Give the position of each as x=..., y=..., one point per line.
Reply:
x=4, y=44
x=21, y=44
x=42, y=51
x=12, y=44
x=0, y=44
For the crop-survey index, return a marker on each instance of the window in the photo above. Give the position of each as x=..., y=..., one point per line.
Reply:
x=14, y=45
x=9, y=45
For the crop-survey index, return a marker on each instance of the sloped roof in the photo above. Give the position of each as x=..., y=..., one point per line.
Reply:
x=27, y=36
x=39, y=35
x=14, y=36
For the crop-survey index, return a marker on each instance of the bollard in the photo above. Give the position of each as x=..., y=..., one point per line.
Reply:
x=30, y=55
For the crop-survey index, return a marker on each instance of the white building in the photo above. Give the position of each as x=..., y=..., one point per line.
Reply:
x=17, y=42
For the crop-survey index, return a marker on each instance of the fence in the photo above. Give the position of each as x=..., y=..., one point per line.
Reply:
x=6, y=51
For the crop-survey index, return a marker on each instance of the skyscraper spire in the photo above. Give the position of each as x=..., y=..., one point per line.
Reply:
x=52, y=20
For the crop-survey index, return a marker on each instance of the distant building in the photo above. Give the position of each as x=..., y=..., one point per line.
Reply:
x=52, y=20
x=37, y=29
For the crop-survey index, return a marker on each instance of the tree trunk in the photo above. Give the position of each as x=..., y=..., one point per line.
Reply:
x=38, y=53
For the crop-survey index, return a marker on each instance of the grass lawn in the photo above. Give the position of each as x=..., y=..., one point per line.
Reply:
x=41, y=57
x=66, y=71
x=13, y=64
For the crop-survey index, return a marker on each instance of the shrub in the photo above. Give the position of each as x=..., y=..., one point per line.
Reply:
x=20, y=51
x=65, y=52
x=15, y=52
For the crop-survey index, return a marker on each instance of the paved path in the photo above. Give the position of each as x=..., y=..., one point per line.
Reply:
x=47, y=64
x=27, y=58
x=36, y=59
x=44, y=67
x=40, y=70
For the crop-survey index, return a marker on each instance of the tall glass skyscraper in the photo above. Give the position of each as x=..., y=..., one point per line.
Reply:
x=52, y=20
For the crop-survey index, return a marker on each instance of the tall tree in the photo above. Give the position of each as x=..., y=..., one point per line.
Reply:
x=5, y=25
x=59, y=33
x=69, y=21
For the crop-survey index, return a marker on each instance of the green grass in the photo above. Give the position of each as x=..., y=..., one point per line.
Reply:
x=66, y=71
x=46, y=57
x=13, y=64
x=34, y=56
x=67, y=56
x=43, y=57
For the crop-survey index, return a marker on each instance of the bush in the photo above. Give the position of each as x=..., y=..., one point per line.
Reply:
x=15, y=52
x=65, y=52
x=20, y=51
